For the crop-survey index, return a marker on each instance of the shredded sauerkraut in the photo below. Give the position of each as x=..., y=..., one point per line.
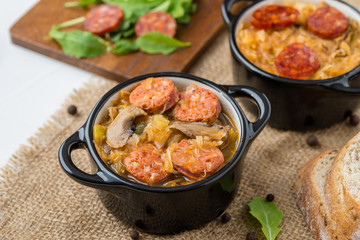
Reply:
x=337, y=56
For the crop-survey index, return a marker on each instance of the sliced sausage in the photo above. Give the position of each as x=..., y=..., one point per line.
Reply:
x=327, y=22
x=194, y=162
x=155, y=95
x=197, y=105
x=156, y=22
x=103, y=18
x=297, y=61
x=275, y=17
x=146, y=164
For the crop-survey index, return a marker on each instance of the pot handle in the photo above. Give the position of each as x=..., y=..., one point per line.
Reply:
x=261, y=101
x=342, y=84
x=226, y=11
x=76, y=141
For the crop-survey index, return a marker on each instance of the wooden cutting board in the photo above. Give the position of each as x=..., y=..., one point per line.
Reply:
x=30, y=32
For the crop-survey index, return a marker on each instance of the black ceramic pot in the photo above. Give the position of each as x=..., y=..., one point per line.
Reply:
x=170, y=210
x=296, y=104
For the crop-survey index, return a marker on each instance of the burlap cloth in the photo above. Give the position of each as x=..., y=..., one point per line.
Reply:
x=39, y=201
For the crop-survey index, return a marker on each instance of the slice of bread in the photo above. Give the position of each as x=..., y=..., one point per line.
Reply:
x=342, y=191
x=311, y=181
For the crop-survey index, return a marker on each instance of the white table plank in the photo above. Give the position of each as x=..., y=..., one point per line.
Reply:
x=32, y=86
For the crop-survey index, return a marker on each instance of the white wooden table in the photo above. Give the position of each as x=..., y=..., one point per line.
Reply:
x=32, y=86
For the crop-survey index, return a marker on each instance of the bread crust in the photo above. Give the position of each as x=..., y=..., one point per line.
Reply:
x=312, y=205
x=343, y=207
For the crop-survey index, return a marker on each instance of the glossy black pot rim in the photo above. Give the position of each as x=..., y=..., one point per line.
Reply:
x=123, y=182
x=250, y=66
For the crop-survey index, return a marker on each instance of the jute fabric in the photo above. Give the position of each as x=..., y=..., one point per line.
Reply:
x=39, y=201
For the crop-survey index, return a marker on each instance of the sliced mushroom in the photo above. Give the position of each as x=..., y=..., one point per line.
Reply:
x=193, y=129
x=119, y=130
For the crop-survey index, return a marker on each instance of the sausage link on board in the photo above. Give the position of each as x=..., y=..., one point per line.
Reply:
x=297, y=61
x=197, y=105
x=155, y=95
x=327, y=22
x=103, y=18
x=156, y=22
x=194, y=162
x=275, y=17
x=146, y=164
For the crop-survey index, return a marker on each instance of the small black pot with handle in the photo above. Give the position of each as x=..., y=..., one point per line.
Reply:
x=169, y=210
x=296, y=104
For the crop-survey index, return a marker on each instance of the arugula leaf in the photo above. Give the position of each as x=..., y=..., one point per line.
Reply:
x=193, y=8
x=126, y=24
x=124, y=46
x=177, y=9
x=268, y=215
x=135, y=4
x=184, y=19
x=135, y=8
x=163, y=7
x=115, y=36
x=82, y=3
x=181, y=10
x=128, y=33
x=77, y=43
x=71, y=22
x=155, y=42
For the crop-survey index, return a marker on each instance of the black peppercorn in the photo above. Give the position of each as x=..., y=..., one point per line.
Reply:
x=72, y=110
x=251, y=236
x=225, y=217
x=312, y=141
x=354, y=120
x=270, y=197
x=134, y=234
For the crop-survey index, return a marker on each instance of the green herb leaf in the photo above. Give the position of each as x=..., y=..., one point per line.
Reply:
x=135, y=8
x=163, y=7
x=124, y=46
x=268, y=215
x=184, y=19
x=82, y=3
x=116, y=36
x=78, y=44
x=155, y=42
x=126, y=24
x=193, y=8
x=178, y=9
x=71, y=22
x=129, y=32
x=181, y=10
